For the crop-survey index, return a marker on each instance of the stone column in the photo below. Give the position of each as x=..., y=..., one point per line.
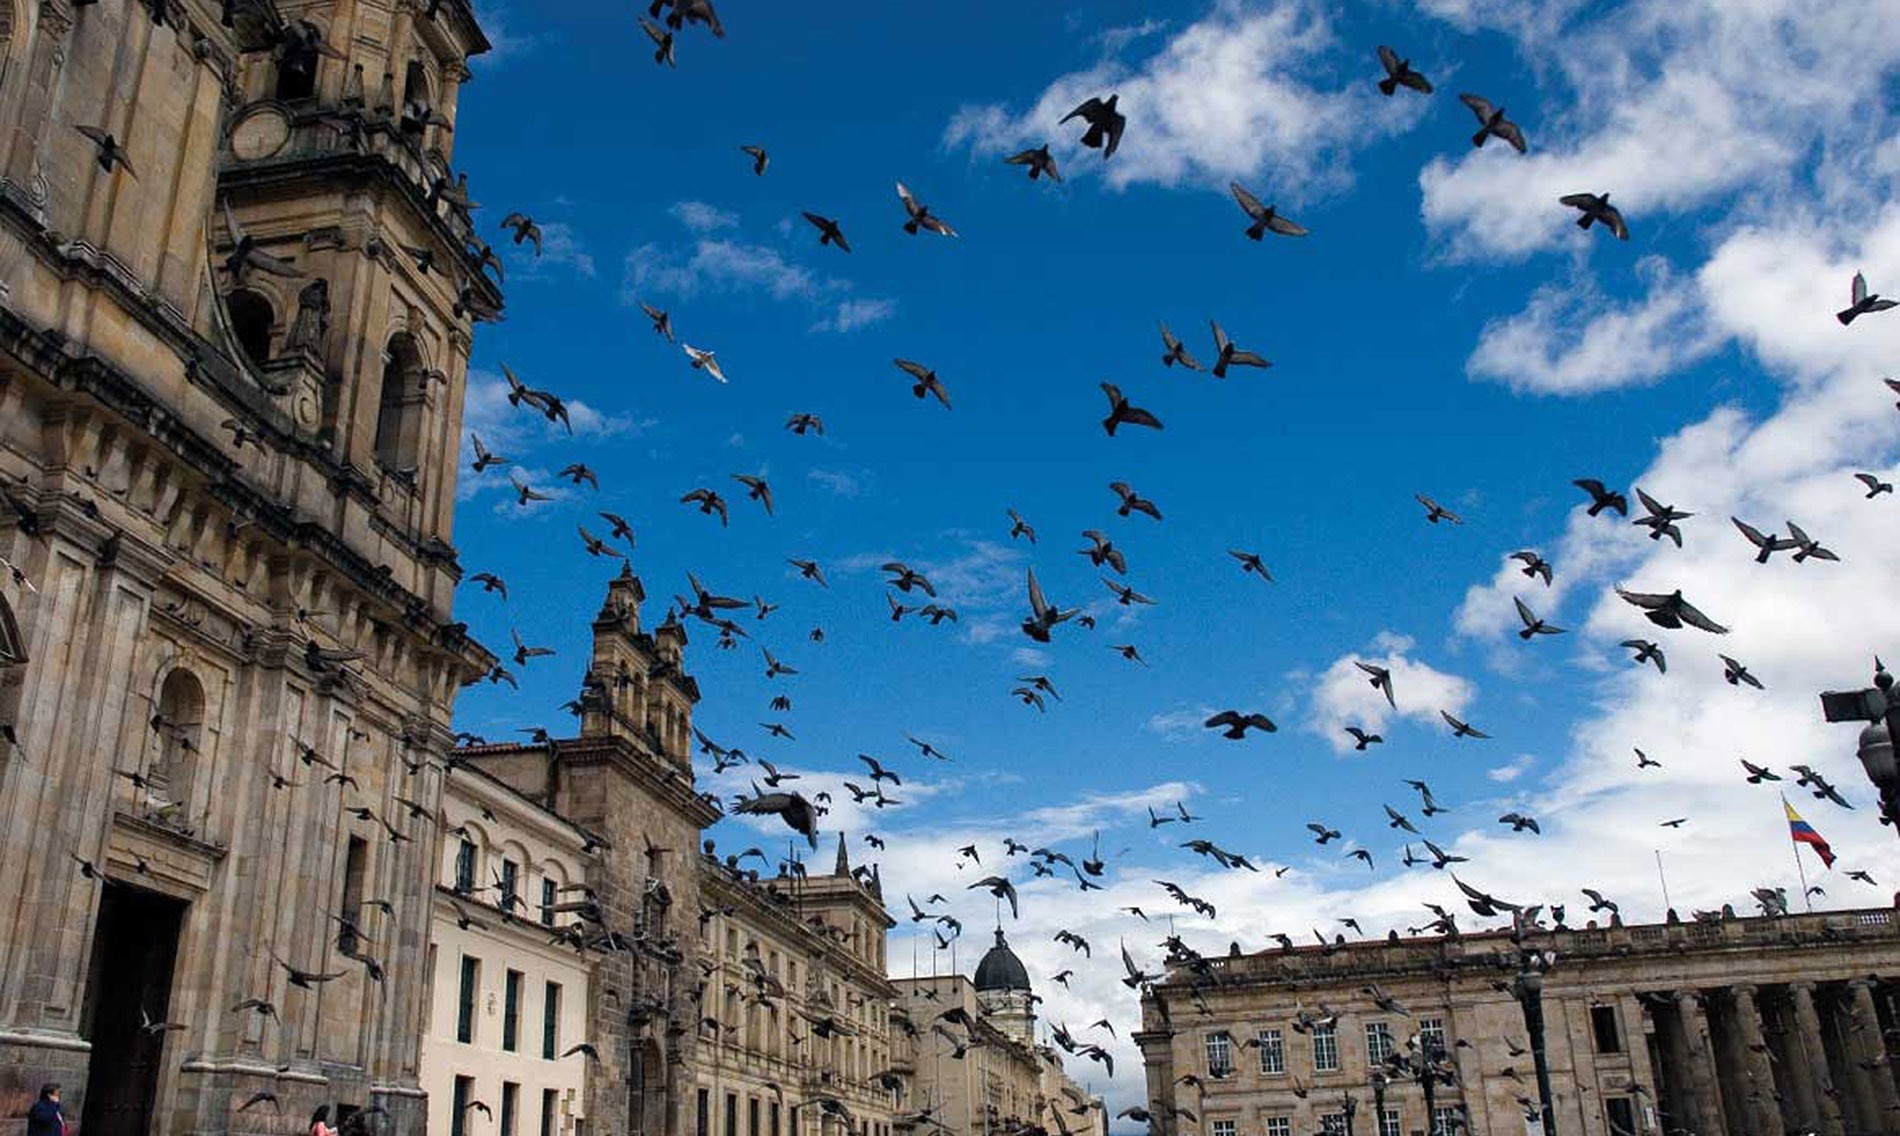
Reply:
x=1807, y=1022
x=1801, y=1097
x=1695, y=1033
x=1869, y=1052
x=1763, y=1104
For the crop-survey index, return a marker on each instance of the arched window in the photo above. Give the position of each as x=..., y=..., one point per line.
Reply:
x=251, y=322
x=399, y=409
x=415, y=84
x=180, y=728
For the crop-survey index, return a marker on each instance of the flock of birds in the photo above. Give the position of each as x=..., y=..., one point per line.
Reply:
x=909, y=590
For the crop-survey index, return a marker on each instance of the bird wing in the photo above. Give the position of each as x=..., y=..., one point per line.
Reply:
x=1524, y=612
x=910, y=203
x=1510, y=132
x=1249, y=204
x=1389, y=59
x=1479, y=105
x=1093, y=104
x=1286, y=227
x=1585, y=201
x=1694, y=618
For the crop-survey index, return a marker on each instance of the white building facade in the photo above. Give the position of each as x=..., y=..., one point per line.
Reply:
x=506, y=1001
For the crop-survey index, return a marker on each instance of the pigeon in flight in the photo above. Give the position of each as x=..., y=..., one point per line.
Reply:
x=1019, y=527
x=1434, y=512
x=828, y=232
x=1234, y=725
x=1461, y=729
x=111, y=152
x=1132, y=502
x=1042, y=616
x=1757, y=774
x=1602, y=497
x=1492, y=123
x=1644, y=761
x=1519, y=822
x=1671, y=611
x=1362, y=739
x=1875, y=486
x=1532, y=624
x=920, y=216
x=1122, y=413
x=1735, y=674
x=1399, y=73
x=1251, y=562
x=1766, y=545
x=1039, y=162
x=662, y=42
x=1230, y=356
x=1177, y=351
x=1534, y=565
x=1105, y=124
x=927, y=381
x=1661, y=521
x=1381, y=680
x=1596, y=208
x=1806, y=547
x=1863, y=300
x=760, y=159
x=1647, y=652
x=524, y=228
x=704, y=361
x=1264, y=217
x=662, y=321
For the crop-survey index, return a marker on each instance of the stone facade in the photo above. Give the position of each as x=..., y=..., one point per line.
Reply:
x=230, y=493
x=508, y=881
x=1737, y=1027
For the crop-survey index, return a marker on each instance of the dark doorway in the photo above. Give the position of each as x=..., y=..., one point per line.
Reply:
x=133, y=950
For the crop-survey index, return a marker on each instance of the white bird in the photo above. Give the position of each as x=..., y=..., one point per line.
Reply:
x=704, y=361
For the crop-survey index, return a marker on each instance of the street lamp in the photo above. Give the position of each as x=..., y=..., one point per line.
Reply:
x=1879, y=707
x=1349, y=1106
x=1529, y=988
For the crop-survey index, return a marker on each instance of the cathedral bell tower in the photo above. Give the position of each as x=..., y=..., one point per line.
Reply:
x=345, y=253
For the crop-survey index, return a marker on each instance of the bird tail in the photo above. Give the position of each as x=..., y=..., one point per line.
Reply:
x=910, y=227
x=1109, y=425
x=1168, y=359
x=1256, y=230
x=1478, y=138
x=1584, y=222
x=1846, y=317
x=1388, y=85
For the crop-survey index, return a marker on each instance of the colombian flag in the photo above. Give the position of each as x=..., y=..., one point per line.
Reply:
x=1801, y=832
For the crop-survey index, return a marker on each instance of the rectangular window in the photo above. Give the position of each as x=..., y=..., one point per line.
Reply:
x=1431, y=1035
x=511, y=1012
x=1378, y=1043
x=1272, y=1051
x=772, y=1118
x=1279, y=1126
x=1603, y=1025
x=465, y=999
x=1445, y=1121
x=550, y=1115
x=1325, y=1049
x=1220, y=1054
x=1389, y=1123
x=547, y=903
x=752, y=1116
x=551, y=1021
x=510, y=1099
x=1333, y=1124
x=1621, y=1113
x=458, y=1122
x=732, y=1114
x=1223, y=1128
x=355, y=866
x=702, y=1114
x=465, y=866
x=510, y=884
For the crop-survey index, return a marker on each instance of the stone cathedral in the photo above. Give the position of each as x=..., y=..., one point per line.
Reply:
x=238, y=284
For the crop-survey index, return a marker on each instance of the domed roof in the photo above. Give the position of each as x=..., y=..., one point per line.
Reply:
x=1001, y=969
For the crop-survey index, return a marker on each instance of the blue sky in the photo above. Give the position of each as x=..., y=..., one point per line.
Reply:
x=1444, y=330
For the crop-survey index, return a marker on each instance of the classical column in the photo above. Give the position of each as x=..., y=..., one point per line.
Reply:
x=1801, y=1097
x=1807, y=1022
x=1695, y=1034
x=1870, y=1057
x=1762, y=1098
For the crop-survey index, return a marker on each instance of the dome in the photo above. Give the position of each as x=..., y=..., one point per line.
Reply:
x=1000, y=969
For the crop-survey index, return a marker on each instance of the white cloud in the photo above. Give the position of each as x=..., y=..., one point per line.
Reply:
x=838, y=482
x=1511, y=770
x=1570, y=339
x=519, y=433
x=1246, y=91
x=1343, y=695
x=701, y=217
x=850, y=315
x=1181, y=725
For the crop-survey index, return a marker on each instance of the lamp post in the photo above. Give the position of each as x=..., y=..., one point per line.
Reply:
x=1378, y=1102
x=1529, y=988
x=1879, y=707
x=1349, y=1106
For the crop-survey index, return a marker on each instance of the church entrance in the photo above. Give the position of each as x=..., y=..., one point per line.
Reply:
x=130, y=980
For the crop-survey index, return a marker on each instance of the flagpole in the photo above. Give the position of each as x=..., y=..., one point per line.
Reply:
x=1800, y=869
x=1667, y=906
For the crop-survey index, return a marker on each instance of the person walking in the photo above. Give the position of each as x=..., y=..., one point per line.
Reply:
x=46, y=1117
x=320, y=1122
